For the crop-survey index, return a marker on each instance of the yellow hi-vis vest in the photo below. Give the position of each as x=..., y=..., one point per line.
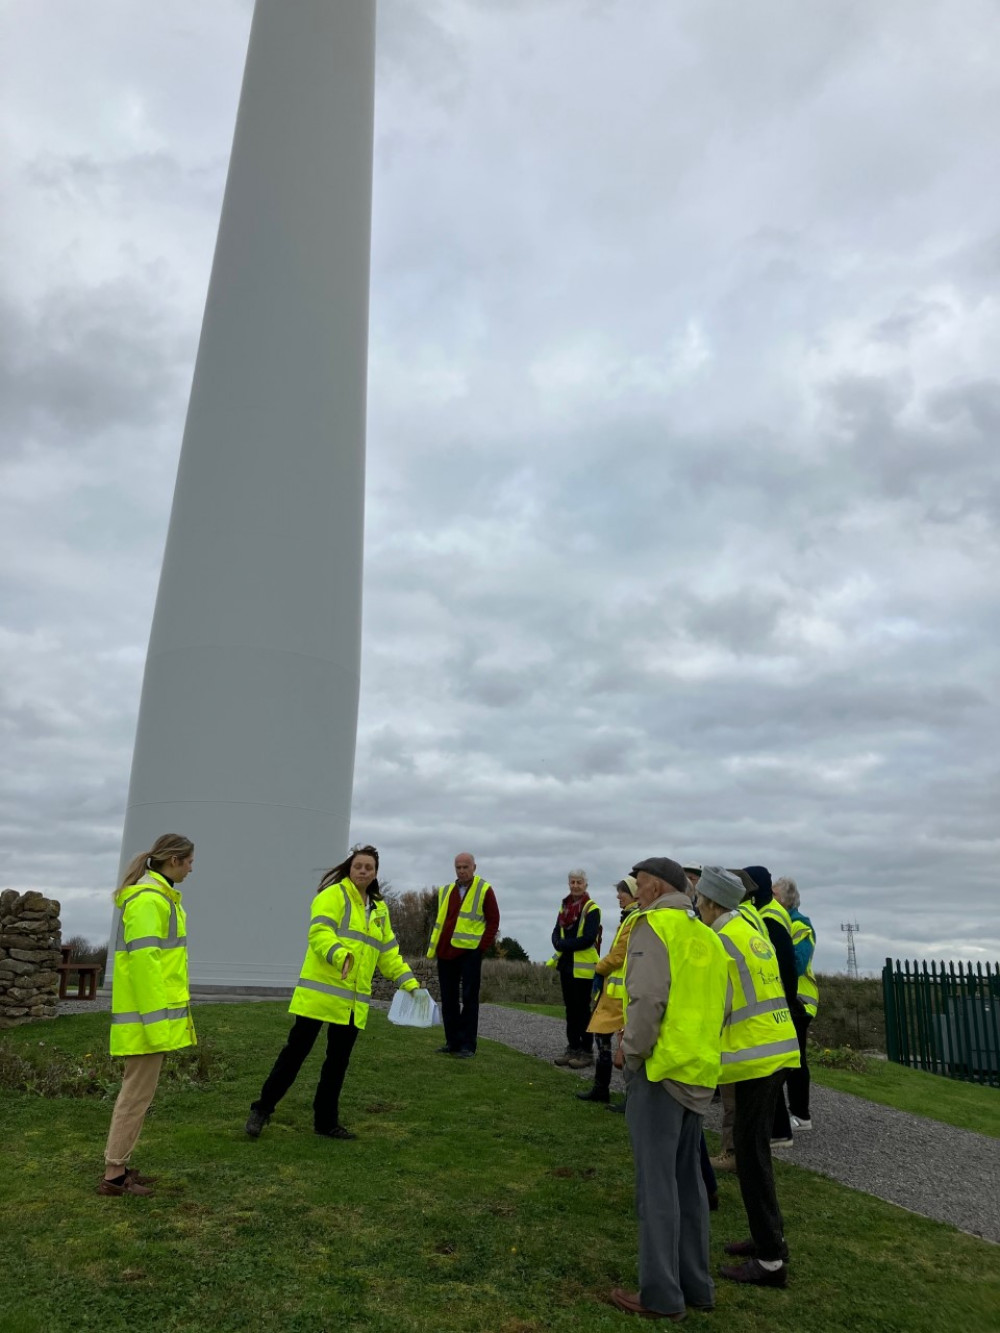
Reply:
x=584, y=960
x=750, y=913
x=471, y=924
x=150, y=1001
x=777, y=912
x=343, y=922
x=808, y=988
x=759, y=1037
x=689, y=1045
x=614, y=982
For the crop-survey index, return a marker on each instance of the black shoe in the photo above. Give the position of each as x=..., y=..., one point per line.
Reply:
x=463, y=1054
x=751, y=1272
x=443, y=1050
x=617, y=1107
x=747, y=1249
x=256, y=1121
x=594, y=1095
x=338, y=1132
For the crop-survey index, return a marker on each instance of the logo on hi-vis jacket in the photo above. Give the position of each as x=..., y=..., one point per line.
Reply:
x=761, y=948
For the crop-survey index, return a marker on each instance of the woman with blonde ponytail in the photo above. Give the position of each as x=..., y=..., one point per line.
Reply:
x=150, y=1002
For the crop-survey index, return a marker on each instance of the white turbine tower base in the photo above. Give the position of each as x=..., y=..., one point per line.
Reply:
x=246, y=732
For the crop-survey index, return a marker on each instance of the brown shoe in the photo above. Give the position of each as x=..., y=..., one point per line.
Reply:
x=138, y=1178
x=629, y=1302
x=747, y=1249
x=129, y=1187
x=580, y=1060
x=752, y=1272
x=725, y=1161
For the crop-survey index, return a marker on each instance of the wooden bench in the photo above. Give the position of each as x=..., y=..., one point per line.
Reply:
x=87, y=975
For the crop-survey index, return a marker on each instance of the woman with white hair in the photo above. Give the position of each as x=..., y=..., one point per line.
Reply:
x=804, y=942
x=574, y=938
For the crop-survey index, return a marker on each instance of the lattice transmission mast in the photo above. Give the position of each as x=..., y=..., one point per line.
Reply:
x=850, y=930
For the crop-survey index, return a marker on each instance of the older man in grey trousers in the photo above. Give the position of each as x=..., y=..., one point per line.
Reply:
x=676, y=993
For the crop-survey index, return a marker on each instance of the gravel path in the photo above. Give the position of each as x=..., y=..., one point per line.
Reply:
x=948, y=1174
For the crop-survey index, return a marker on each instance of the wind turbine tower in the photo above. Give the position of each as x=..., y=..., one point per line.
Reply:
x=246, y=732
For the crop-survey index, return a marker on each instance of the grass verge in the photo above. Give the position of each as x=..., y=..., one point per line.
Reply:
x=480, y=1197
x=965, y=1105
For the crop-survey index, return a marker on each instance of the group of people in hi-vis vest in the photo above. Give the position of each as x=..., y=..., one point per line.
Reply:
x=350, y=935
x=708, y=986
x=697, y=986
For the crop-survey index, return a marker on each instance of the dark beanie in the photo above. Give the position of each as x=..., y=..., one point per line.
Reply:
x=761, y=876
x=661, y=867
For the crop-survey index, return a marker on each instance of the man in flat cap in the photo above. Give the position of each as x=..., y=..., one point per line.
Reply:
x=675, y=1002
x=758, y=1044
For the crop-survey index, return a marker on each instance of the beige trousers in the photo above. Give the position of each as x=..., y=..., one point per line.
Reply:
x=728, y=1091
x=142, y=1073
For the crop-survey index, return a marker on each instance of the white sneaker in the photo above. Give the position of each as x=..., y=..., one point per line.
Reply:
x=800, y=1124
x=781, y=1143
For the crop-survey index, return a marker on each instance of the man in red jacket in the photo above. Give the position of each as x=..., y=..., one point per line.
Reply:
x=467, y=923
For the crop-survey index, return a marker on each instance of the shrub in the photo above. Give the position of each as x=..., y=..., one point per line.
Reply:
x=507, y=982
x=850, y=1014
x=842, y=1057
x=44, y=1070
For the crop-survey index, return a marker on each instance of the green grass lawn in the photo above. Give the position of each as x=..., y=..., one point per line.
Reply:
x=480, y=1197
x=967, y=1105
x=549, y=1010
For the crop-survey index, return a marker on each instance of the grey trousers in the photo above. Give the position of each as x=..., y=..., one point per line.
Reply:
x=670, y=1198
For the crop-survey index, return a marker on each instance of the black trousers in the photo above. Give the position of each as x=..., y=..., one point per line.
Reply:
x=459, y=979
x=340, y=1039
x=576, y=998
x=797, y=1080
x=756, y=1099
x=602, y=1067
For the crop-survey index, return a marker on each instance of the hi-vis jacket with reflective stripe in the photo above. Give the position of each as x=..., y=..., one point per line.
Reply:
x=689, y=1042
x=759, y=1037
x=150, y=1003
x=777, y=912
x=614, y=983
x=471, y=924
x=344, y=922
x=584, y=960
x=804, y=939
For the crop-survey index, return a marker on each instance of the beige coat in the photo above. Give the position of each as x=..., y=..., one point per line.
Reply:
x=608, y=1016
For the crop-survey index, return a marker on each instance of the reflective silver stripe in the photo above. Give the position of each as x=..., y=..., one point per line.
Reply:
x=323, y=921
x=340, y=991
x=154, y=1016
x=461, y=935
x=736, y=954
x=761, y=1052
x=755, y=1010
x=405, y=976
x=156, y=942
x=331, y=951
x=585, y=967
x=121, y=945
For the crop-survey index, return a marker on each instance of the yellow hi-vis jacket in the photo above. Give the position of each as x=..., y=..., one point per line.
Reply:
x=808, y=986
x=614, y=981
x=150, y=1001
x=471, y=924
x=689, y=1045
x=759, y=1037
x=777, y=912
x=343, y=922
x=584, y=960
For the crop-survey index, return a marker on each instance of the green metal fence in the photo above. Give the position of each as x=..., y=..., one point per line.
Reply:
x=944, y=1018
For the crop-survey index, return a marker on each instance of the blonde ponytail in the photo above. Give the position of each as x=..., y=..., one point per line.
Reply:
x=165, y=847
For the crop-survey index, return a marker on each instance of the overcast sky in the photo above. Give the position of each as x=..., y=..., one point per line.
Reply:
x=683, y=480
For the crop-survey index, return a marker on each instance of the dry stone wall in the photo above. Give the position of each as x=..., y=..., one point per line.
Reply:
x=425, y=971
x=30, y=943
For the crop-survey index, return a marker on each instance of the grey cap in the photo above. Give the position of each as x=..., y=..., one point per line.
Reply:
x=721, y=886
x=661, y=867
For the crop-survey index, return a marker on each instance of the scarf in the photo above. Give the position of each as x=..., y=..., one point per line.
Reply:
x=569, y=913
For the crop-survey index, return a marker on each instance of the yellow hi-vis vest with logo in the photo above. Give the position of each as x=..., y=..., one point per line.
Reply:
x=759, y=1037
x=150, y=1001
x=808, y=987
x=584, y=960
x=689, y=1045
x=471, y=924
x=344, y=922
x=614, y=982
